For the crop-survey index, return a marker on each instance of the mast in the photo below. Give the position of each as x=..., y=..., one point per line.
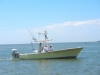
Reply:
x=45, y=34
x=42, y=41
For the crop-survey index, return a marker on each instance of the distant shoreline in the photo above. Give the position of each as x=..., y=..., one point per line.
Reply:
x=98, y=41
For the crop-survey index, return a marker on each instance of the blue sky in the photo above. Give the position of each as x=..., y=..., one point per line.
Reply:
x=64, y=20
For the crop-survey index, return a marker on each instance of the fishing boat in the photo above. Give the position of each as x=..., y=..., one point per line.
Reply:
x=40, y=54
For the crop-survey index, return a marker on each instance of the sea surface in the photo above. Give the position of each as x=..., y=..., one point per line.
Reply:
x=86, y=63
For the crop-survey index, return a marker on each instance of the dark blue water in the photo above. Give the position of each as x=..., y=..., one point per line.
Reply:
x=87, y=62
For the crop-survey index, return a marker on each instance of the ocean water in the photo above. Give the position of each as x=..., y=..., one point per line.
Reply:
x=86, y=63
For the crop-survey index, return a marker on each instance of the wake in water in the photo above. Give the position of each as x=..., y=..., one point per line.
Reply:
x=6, y=59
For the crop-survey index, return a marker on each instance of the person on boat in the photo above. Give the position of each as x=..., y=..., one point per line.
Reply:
x=45, y=49
x=40, y=48
x=45, y=33
x=51, y=49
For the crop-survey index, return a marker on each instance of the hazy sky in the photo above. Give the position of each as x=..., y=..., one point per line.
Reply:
x=64, y=20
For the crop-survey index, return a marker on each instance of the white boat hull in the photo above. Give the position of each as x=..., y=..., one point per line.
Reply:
x=64, y=53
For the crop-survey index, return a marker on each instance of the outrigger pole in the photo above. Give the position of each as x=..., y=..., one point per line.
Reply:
x=33, y=39
x=32, y=35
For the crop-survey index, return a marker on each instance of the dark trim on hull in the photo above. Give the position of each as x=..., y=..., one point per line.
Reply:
x=66, y=57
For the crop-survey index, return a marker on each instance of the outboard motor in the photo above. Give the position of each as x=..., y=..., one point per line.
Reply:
x=15, y=54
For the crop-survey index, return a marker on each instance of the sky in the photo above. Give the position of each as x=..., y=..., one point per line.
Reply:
x=64, y=20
